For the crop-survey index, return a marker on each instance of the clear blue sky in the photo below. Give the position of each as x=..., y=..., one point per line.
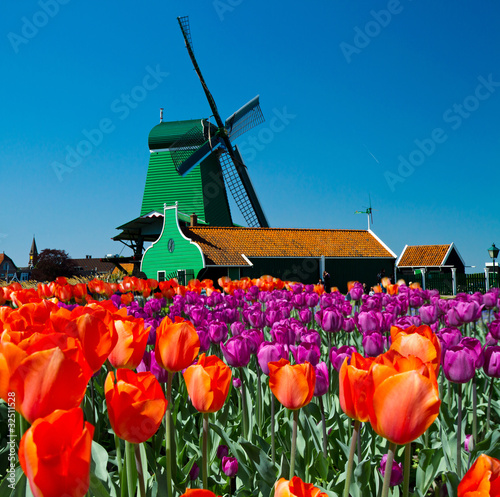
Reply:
x=357, y=89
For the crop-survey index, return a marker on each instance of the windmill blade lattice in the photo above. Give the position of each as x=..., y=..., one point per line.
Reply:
x=184, y=22
x=244, y=119
x=235, y=185
x=183, y=148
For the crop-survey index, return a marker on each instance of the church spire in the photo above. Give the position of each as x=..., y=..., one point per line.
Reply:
x=33, y=254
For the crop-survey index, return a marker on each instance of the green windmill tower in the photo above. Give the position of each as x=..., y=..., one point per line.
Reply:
x=193, y=163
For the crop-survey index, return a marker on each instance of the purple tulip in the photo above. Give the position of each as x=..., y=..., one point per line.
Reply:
x=468, y=443
x=459, y=364
x=396, y=473
x=338, y=355
x=311, y=336
x=270, y=352
x=230, y=466
x=491, y=364
x=490, y=300
x=256, y=319
x=236, y=352
x=416, y=298
x=407, y=321
x=469, y=311
x=490, y=340
x=474, y=345
x=236, y=382
x=356, y=291
x=194, y=472
x=349, y=325
x=222, y=451
x=448, y=337
x=237, y=328
x=271, y=316
x=322, y=379
x=204, y=337
x=311, y=299
x=305, y=315
x=149, y=363
x=330, y=320
x=369, y=321
x=373, y=343
x=428, y=314
x=494, y=327
x=309, y=352
x=283, y=333
x=218, y=331
x=254, y=338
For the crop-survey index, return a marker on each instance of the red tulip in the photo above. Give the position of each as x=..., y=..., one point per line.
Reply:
x=55, y=454
x=208, y=383
x=482, y=479
x=198, y=492
x=296, y=488
x=131, y=344
x=177, y=345
x=136, y=404
x=293, y=385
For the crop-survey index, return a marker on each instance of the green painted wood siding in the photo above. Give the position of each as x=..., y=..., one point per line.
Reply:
x=164, y=185
x=186, y=255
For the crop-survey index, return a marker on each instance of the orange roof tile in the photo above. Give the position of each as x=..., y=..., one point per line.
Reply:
x=128, y=266
x=423, y=255
x=225, y=246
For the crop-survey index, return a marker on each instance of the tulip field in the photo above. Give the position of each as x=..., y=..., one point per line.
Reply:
x=247, y=388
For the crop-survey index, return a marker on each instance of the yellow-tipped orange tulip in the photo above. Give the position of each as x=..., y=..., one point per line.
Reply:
x=177, y=345
x=208, y=383
x=405, y=401
x=418, y=341
x=293, y=385
x=482, y=479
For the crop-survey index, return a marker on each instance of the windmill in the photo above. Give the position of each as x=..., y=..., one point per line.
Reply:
x=368, y=212
x=200, y=142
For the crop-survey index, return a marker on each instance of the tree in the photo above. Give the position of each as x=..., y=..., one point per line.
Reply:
x=52, y=263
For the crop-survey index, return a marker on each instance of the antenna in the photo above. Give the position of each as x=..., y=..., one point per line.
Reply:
x=161, y=114
x=368, y=212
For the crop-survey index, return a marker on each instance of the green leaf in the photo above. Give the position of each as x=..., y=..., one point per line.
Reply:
x=96, y=487
x=99, y=462
x=430, y=464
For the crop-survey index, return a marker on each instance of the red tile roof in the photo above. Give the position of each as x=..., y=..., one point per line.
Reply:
x=225, y=246
x=423, y=255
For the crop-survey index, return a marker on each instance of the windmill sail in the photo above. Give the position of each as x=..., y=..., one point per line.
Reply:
x=244, y=119
x=239, y=184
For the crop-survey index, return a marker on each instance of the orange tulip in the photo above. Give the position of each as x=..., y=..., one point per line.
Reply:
x=131, y=344
x=296, y=488
x=392, y=289
x=293, y=385
x=177, y=345
x=198, y=492
x=55, y=454
x=46, y=372
x=136, y=404
x=355, y=385
x=418, y=341
x=482, y=479
x=405, y=399
x=208, y=383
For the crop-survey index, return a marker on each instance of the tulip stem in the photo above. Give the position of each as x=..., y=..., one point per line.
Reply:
x=459, y=431
x=205, y=450
x=140, y=473
x=350, y=462
x=323, y=424
x=474, y=413
x=273, y=442
x=294, y=442
x=259, y=402
x=488, y=409
x=406, y=470
x=244, y=413
x=131, y=468
x=168, y=434
x=388, y=469
x=118, y=454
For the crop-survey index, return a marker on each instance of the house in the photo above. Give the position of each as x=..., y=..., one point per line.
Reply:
x=8, y=269
x=431, y=258
x=91, y=266
x=191, y=250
